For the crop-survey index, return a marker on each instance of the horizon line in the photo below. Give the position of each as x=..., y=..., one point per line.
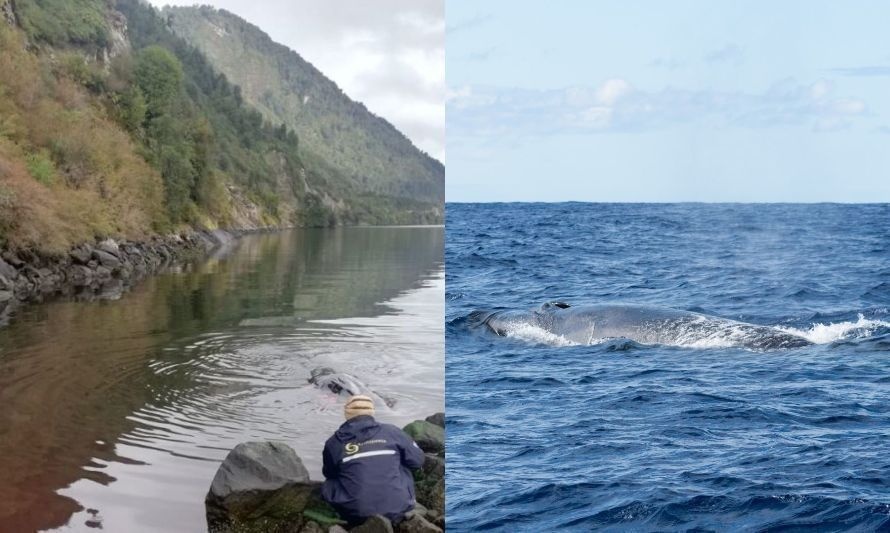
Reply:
x=723, y=202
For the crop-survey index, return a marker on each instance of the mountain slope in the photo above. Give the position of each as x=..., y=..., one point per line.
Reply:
x=113, y=126
x=289, y=90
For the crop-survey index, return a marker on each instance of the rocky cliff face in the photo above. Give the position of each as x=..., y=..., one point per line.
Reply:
x=118, y=44
x=7, y=11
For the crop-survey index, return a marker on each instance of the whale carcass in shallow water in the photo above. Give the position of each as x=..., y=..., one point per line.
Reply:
x=585, y=324
x=342, y=383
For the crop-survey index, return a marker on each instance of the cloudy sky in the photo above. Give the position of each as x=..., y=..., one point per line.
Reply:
x=668, y=101
x=388, y=54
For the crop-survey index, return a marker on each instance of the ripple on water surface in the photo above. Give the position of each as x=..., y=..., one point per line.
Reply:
x=618, y=435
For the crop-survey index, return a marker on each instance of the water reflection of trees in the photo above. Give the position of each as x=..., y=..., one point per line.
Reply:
x=309, y=275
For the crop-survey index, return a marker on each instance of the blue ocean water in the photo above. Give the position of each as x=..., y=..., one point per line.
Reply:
x=613, y=435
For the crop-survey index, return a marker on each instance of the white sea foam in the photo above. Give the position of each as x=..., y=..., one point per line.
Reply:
x=699, y=333
x=723, y=339
x=537, y=335
x=826, y=333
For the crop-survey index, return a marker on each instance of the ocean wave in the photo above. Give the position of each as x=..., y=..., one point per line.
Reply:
x=831, y=332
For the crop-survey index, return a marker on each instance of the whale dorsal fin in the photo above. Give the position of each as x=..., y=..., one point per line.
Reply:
x=558, y=305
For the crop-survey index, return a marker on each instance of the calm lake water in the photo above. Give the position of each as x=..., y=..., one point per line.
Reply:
x=116, y=414
x=547, y=433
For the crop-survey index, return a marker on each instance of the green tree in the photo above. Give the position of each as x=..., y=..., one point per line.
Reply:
x=62, y=22
x=202, y=150
x=41, y=167
x=173, y=156
x=133, y=109
x=159, y=77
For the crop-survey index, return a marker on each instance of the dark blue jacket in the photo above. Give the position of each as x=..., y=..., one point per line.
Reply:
x=366, y=469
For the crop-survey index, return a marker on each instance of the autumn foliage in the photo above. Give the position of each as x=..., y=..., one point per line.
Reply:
x=68, y=172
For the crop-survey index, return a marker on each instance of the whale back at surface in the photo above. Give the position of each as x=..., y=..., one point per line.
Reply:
x=586, y=324
x=346, y=385
x=590, y=322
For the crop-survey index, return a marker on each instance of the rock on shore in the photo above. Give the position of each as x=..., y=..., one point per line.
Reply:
x=101, y=270
x=264, y=487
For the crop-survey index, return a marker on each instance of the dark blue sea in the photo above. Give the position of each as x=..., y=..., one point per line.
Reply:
x=549, y=434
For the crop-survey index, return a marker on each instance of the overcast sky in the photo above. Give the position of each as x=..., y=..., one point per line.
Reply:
x=668, y=101
x=387, y=54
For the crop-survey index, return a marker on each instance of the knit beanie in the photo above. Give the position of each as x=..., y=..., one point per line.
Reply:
x=358, y=405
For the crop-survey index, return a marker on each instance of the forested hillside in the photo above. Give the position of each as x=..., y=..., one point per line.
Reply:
x=111, y=125
x=288, y=90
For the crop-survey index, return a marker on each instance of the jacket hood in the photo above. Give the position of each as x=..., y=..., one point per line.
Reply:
x=360, y=428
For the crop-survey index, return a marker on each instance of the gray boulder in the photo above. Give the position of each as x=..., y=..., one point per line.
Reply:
x=375, y=524
x=258, y=466
x=47, y=280
x=42, y=279
x=436, y=497
x=109, y=246
x=437, y=419
x=263, y=486
x=429, y=436
x=13, y=259
x=106, y=259
x=23, y=287
x=132, y=249
x=417, y=524
x=433, y=466
x=102, y=273
x=429, y=486
x=79, y=275
x=418, y=509
x=8, y=271
x=312, y=527
x=164, y=253
x=81, y=255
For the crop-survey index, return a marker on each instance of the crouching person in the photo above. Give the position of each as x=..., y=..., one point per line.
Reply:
x=366, y=466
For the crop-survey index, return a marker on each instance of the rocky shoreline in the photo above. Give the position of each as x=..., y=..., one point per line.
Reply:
x=101, y=270
x=263, y=487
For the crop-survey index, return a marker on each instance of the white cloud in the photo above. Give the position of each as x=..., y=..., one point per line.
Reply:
x=597, y=117
x=611, y=90
x=849, y=106
x=615, y=106
x=820, y=89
